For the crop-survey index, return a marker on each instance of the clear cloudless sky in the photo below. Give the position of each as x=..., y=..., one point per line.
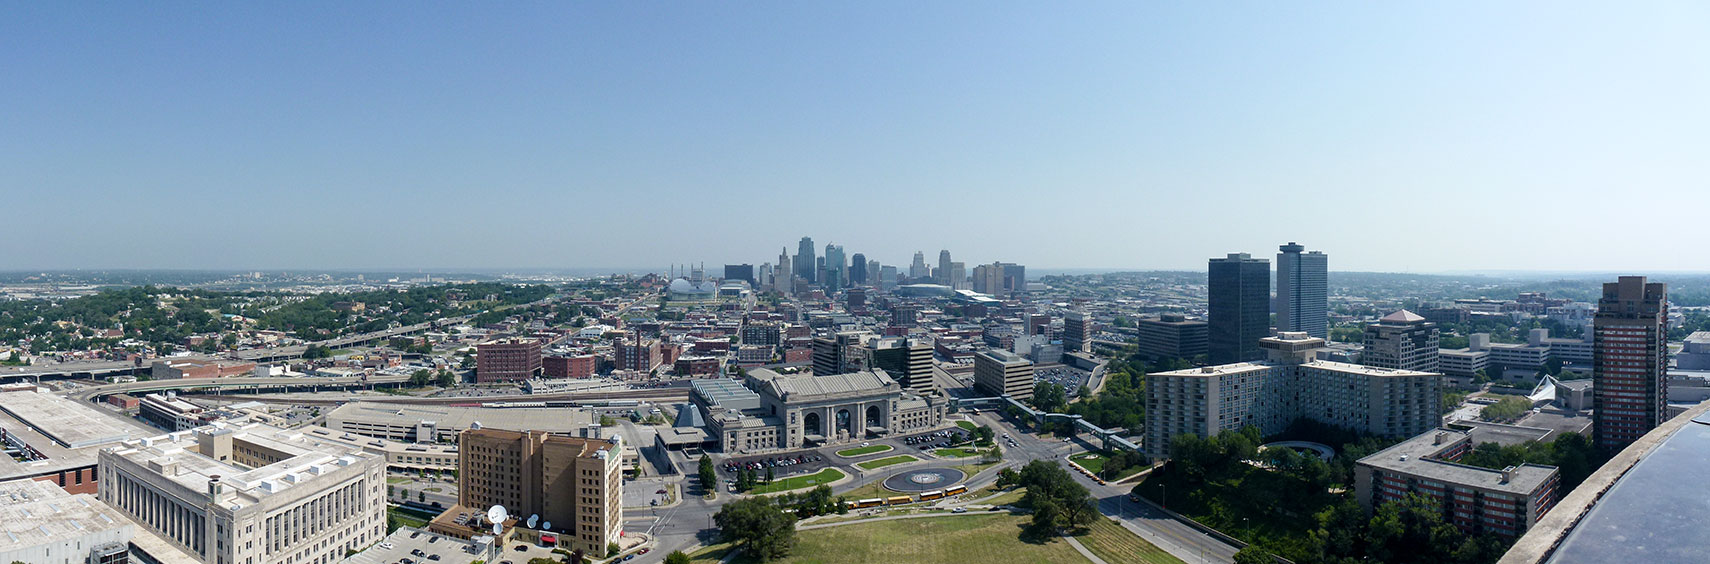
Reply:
x=1421, y=137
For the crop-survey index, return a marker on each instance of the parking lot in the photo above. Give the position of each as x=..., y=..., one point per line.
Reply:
x=936, y=439
x=782, y=465
x=1070, y=379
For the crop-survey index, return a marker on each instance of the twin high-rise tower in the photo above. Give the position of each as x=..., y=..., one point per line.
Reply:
x=1239, y=296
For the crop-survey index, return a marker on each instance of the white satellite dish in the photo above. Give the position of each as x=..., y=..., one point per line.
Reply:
x=498, y=529
x=547, y=526
x=532, y=519
x=496, y=514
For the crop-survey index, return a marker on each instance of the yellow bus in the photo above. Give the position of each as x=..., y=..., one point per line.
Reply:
x=898, y=500
x=934, y=494
x=874, y=502
x=955, y=490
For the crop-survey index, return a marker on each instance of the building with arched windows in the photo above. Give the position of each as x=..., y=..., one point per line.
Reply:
x=773, y=411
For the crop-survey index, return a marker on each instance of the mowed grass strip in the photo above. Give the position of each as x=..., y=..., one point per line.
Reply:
x=969, y=425
x=860, y=451
x=883, y=462
x=825, y=476
x=956, y=452
x=1115, y=545
x=990, y=537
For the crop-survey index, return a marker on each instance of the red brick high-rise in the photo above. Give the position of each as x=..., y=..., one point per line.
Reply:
x=1630, y=361
x=507, y=360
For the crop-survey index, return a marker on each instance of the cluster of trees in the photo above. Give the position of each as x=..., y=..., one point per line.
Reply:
x=138, y=310
x=425, y=377
x=1201, y=458
x=408, y=345
x=759, y=526
x=314, y=318
x=313, y=352
x=814, y=502
x=747, y=479
x=1122, y=403
x=1572, y=453
x=1413, y=530
x=1058, y=502
x=983, y=435
x=1049, y=397
x=1506, y=409
x=1117, y=462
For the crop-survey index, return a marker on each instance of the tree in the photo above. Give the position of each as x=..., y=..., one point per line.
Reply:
x=759, y=526
x=769, y=475
x=993, y=454
x=612, y=549
x=1253, y=555
x=677, y=557
x=447, y=379
x=709, y=478
x=982, y=435
x=421, y=496
x=1008, y=477
x=1048, y=397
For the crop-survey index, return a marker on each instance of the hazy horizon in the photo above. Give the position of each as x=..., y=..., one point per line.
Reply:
x=1396, y=138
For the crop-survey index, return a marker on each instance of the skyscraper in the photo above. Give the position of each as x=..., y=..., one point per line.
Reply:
x=835, y=268
x=917, y=269
x=743, y=272
x=805, y=264
x=943, y=273
x=1303, y=298
x=857, y=269
x=958, y=277
x=873, y=272
x=1239, y=292
x=1630, y=361
x=784, y=278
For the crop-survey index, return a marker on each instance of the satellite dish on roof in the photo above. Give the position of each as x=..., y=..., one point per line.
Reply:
x=496, y=514
x=546, y=526
x=498, y=529
x=532, y=519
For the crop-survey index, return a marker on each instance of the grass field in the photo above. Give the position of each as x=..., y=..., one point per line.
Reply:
x=825, y=476
x=1094, y=462
x=987, y=537
x=969, y=425
x=406, y=518
x=1115, y=544
x=956, y=452
x=860, y=451
x=883, y=462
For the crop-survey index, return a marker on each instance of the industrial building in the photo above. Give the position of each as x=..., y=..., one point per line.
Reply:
x=999, y=372
x=42, y=524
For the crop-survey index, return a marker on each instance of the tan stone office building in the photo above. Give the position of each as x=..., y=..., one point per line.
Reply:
x=574, y=484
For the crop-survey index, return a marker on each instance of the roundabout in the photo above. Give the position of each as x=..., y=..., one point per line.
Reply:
x=923, y=479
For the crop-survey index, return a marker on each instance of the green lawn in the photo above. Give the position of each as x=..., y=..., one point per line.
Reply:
x=825, y=476
x=969, y=425
x=1117, y=545
x=978, y=537
x=1094, y=462
x=883, y=462
x=956, y=452
x=406, y=518
x=859, y=451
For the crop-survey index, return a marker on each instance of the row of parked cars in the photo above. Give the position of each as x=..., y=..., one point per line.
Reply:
x=773, y=462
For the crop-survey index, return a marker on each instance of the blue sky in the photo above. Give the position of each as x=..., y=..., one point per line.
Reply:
x=1427, y=137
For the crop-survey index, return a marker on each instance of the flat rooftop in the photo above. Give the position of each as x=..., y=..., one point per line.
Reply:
x=69, y=423
x=551, y=419
x=34, y=512
x=175, y=457
x=1417, y=456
